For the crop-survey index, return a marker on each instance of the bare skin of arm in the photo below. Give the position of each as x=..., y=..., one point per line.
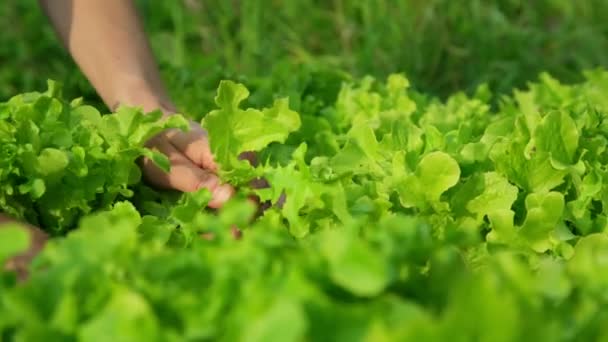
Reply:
x=107, y=41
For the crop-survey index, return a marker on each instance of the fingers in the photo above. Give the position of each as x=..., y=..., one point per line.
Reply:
x=194, y=144
x=185, y=175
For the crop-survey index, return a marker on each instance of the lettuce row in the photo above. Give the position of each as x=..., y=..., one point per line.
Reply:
x=404, y=218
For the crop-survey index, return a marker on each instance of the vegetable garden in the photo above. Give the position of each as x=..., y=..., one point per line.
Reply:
x=470, y=205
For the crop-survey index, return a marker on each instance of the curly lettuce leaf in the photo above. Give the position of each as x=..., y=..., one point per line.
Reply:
x=233, y=130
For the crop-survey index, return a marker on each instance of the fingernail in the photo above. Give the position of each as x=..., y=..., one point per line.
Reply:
x=222, y=194
x=209, y=181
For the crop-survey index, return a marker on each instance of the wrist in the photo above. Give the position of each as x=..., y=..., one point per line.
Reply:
x=140, y=93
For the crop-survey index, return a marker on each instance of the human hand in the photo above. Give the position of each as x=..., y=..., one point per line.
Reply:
x=192, y=164
x=108, y=42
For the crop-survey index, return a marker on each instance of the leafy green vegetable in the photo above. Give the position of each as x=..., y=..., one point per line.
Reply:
x=62, y=160
x=394, y=217
x=13, y=240
x=233, y=131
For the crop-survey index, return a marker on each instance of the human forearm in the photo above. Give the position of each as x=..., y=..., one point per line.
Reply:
x=107, y=41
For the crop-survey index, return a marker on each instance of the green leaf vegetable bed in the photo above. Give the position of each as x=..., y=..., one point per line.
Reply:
x=405, y=219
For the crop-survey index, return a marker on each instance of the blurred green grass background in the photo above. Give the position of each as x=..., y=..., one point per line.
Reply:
x=443, y=46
